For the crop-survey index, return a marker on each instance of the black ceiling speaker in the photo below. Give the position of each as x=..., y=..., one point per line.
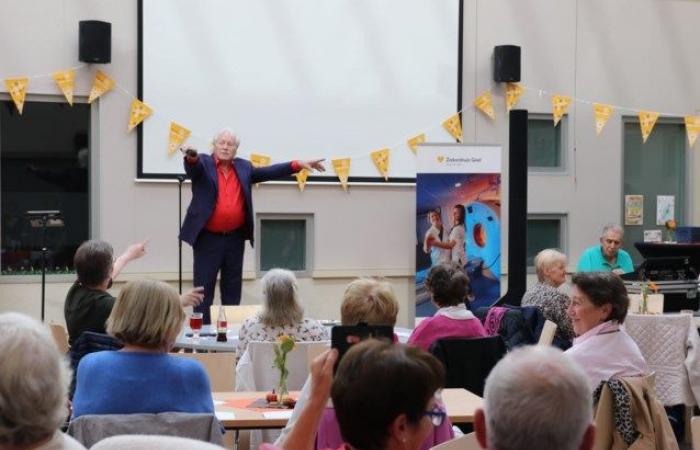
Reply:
x=506, y=63
x=95, y=42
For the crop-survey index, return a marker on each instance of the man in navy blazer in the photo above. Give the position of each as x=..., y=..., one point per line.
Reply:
x=220, y=217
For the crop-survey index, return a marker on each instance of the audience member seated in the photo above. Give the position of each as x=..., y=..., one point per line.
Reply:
x=141, y=377
x=281, y=315
x=33, y=386
x=608, y=256
x=535, y=398
x=448, y=286
x=88, y=304
x=550, y=266
x=598, y=308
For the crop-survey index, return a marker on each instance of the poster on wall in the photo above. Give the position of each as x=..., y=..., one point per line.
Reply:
x=665, y=208
x=634, y=209
x=458, y=218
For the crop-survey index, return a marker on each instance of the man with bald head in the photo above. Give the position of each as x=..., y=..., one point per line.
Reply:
x=220, y=217
x=608, y=256
x=536, y=398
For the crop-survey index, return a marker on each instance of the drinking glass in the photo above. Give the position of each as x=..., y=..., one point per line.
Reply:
x=196, y=320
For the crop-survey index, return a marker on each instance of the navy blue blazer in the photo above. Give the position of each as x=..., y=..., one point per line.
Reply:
x=205, y=186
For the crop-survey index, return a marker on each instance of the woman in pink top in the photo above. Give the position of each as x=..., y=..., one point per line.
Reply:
x=602, y=348
x=448, y=285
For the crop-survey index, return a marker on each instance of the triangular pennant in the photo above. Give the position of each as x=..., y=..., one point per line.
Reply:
x=139, y=111
x=415, y=141
x=259, y=160
x=65, y=80
x=560, y=104
x=453, y=125
x=485, y=104
x=342, y=169
x=178, y=135
x=17, y=87
x=692, y=128
x=513, y=93
x=301, y=176
x=602, y=113
x=647, y=120
x=381, y=161
x=100, y=85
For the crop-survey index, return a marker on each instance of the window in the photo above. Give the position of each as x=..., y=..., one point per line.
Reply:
x=44, y=155
x=545, y=143
x=544, y=231
x=284, y=241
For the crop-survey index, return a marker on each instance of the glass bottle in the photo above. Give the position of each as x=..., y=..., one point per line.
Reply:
x=221, y=325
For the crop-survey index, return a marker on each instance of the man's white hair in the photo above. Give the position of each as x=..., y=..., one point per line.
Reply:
x=537, y=398
x=33, y=382
x=612, y=227
x=223, y=131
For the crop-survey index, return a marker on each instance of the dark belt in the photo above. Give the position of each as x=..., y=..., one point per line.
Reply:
x=223, y=233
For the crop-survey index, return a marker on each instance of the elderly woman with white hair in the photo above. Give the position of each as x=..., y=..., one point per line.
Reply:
x=281, y=315
x=33, y=387
x=550, y=266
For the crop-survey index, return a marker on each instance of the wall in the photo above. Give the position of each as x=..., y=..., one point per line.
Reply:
x=593, y=49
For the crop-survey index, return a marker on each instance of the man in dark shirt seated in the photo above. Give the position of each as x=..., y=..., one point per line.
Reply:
x=88, y=304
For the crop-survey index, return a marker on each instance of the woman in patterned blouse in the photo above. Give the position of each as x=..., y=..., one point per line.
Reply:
x=550, y=266
x=281, y=315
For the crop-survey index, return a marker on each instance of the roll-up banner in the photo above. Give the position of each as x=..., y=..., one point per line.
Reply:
x=458, y=218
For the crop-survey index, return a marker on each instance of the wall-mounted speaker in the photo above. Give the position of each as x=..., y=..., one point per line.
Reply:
x=95, y=42
x=506, y=63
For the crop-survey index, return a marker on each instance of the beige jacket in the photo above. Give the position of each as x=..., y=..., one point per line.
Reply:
x=648, y=416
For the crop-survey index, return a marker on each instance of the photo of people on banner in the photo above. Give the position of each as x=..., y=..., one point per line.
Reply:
x=458, y=220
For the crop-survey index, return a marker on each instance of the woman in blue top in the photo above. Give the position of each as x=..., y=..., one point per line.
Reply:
x=142, y=377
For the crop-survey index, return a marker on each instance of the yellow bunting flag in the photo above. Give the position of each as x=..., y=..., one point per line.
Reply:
x=560, y=104
x=100, y=85
x=139, y=111
x=342, y=169
x=17, y=87
x=415, y=141
x=65, y=80
x=178, y=135
x=692, y=128
x=601, y=113
x=453, y=125
x=258, y=160
x=381, y=160
x=513, y=93
x=485, y=104
x=647, y=120
x=301, y=176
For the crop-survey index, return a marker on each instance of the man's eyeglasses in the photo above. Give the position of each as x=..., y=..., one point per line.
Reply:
x=612, y=242
x=437, y=416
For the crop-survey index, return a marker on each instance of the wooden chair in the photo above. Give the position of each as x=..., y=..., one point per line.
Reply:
x=466, y=442
x=695, y=431
x=221, y=368
x=60, y=336
x=548, y=331
x=234, y=313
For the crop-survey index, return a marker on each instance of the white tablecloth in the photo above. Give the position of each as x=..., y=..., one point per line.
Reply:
x=671, y=346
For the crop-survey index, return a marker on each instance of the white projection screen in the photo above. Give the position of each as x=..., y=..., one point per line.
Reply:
x=299, y=79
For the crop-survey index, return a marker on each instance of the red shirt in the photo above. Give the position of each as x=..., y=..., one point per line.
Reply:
x=229, y=212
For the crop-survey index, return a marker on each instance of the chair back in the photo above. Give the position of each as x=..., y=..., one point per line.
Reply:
x=468, y=361
x=234, y=313
x=695, y=430
x=221, y=368
x=139, y=441
x=548, y=331
x=655, y=303
x=465, y=442
x=60, y=336
x=90, y=429
x=254, y=371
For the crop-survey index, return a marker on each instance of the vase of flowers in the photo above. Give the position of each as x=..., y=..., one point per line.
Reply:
x=671, y=226
x=646, y=289
x=284, y=345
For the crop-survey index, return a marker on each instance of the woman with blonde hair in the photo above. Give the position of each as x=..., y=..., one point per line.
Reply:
x=281, y=315
x=142, y=377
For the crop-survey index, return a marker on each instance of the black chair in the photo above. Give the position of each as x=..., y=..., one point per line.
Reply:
x=468, y=361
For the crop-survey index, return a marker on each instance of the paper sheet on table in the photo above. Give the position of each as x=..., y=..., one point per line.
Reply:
x=218, y=402
x=225, y=415
x=278, y=414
